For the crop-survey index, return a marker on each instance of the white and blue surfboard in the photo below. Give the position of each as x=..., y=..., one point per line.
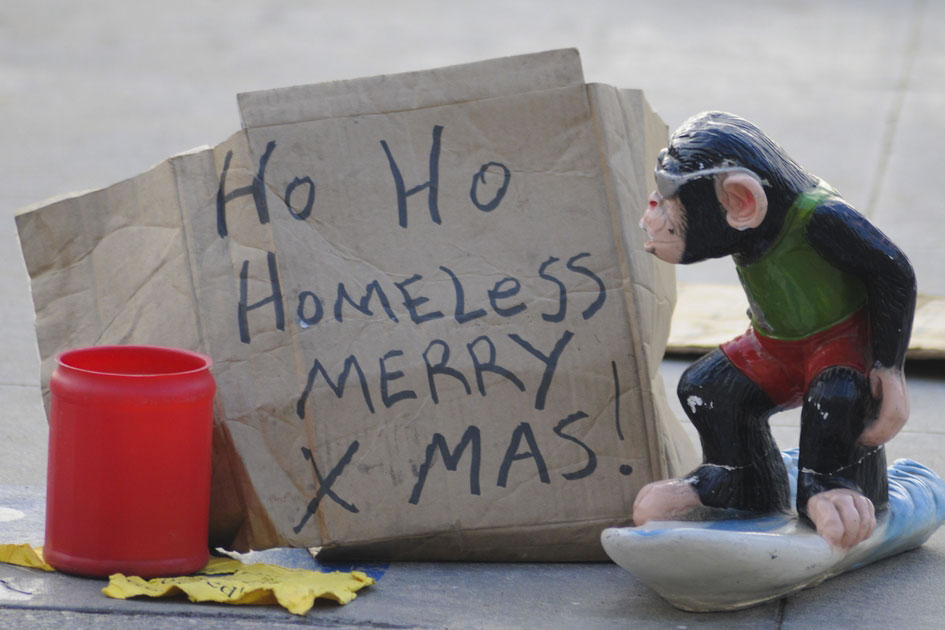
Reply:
x=736, y=563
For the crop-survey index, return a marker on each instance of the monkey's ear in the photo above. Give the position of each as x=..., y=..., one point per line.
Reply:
x=744, y=200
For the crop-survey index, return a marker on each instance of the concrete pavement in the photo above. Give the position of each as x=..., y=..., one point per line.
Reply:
x=94, y=92
x=904, y=591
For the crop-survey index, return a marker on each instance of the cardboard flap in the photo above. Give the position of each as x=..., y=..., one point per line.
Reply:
x=412, y=90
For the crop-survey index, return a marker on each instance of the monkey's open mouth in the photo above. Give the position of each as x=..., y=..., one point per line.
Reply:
x=649, y=245
x=649, y=235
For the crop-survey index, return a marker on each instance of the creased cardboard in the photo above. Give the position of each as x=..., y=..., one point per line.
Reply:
x=435, y=332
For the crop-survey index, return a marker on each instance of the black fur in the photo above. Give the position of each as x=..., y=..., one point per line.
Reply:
x=709, y=140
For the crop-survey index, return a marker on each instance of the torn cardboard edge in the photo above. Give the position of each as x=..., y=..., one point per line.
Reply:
x=409, y=91
x=708, y=315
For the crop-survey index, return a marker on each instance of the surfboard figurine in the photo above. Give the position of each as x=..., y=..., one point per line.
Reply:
x=737, y=562
x=831, y=306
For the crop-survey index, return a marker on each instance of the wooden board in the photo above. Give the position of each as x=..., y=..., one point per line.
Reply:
x=707, y=315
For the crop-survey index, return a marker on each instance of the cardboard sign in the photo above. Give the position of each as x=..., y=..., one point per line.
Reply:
x=435, y=331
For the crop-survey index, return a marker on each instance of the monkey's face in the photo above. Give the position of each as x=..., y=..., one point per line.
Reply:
x=665, y=224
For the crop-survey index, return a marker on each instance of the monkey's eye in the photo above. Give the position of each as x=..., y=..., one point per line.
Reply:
x=672, y=230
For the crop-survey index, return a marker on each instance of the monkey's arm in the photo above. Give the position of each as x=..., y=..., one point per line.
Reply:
x=847, y=240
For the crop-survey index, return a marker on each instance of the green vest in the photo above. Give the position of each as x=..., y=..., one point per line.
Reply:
x=792, y=291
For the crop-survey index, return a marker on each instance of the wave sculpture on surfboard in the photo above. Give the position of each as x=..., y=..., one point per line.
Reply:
x=831, y=305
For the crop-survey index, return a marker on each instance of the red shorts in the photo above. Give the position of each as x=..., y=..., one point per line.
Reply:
x=784, y=369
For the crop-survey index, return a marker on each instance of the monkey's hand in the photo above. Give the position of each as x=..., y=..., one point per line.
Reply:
x=664, y=500
x=844, y=518
x=888, y=385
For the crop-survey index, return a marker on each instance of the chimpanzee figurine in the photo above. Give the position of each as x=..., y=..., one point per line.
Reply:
x=831, y=306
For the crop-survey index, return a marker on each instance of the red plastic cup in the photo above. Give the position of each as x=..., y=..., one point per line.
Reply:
x=128, y=484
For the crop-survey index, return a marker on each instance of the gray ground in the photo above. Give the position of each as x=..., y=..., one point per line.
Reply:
x=97, y=91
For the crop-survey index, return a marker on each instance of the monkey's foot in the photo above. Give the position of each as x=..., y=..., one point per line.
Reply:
x=669, y=499
x=843, y=517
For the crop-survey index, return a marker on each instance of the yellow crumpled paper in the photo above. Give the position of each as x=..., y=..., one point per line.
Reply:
x=231, y=582
x=224, y=580
x=24, y=555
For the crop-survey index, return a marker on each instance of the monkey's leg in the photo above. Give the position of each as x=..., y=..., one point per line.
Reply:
x=742, y=465
x=836, y=409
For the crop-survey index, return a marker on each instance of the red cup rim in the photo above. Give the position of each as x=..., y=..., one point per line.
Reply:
x=62, y=360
